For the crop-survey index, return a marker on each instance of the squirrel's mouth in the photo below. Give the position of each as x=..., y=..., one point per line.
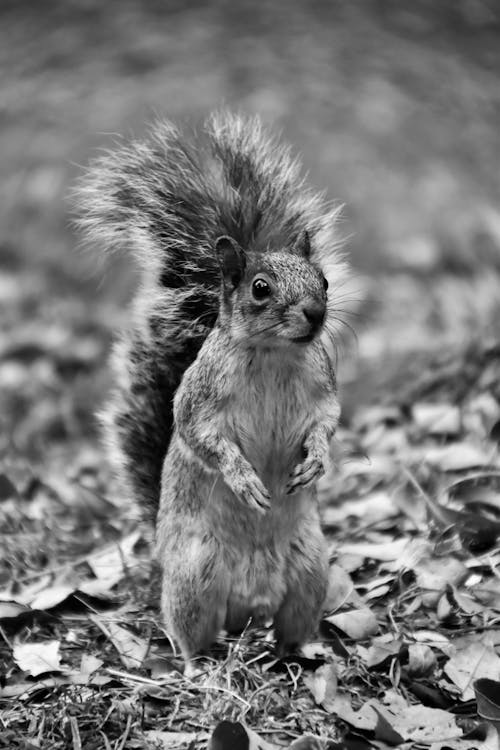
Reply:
x=304, y=339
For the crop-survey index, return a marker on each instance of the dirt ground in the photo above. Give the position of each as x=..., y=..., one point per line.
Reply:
x=394, y=107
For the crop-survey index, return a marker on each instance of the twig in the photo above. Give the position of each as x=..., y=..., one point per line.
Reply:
x=125, y=734
x=75, y=733
x=9, y=644
x=222, y=690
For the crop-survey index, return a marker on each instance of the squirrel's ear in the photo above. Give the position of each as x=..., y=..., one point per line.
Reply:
x=232, y=260
x=303, y=244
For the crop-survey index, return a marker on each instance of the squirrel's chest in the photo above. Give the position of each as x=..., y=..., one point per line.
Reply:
x=268, y=413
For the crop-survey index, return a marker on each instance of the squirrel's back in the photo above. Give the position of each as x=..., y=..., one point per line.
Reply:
x=167, y=199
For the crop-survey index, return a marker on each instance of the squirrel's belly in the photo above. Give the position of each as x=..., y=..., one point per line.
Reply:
x=256, y=592
x=271, y=442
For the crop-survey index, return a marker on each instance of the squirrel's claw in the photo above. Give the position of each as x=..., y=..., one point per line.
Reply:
x=252, y=492
x=305, y=474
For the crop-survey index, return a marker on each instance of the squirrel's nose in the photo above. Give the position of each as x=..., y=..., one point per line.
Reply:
x=314, y=313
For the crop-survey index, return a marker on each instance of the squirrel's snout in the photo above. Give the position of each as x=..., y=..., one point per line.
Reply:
x=314, y=313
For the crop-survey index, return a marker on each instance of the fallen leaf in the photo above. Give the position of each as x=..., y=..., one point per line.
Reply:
x=9, y=610
x=349, y=563
x=307, y=743
x=381, y=650
x=372, y=416
x=99, y=587
x=131, y=649
x=384, y=730
x=376, y=587
x=37, y=658
x=375, y=507
x=436, y=640
x=435, y=574
x=51, y=597
x=386, y=440
x=487, y=694
x=365, y=718
x=340, y=590
x=412, y=553
x=416, y=723
x=358, y=624
x=315, y=650
x=488, y=741
x=173, y=740
x=481, y=414
x=421, y=659
x=437, y=419
x=90, y=664
x=29, y=592
x=110, y=562
x=458, y=457
x=323, y=686
x=470, y=663
x=390, y=550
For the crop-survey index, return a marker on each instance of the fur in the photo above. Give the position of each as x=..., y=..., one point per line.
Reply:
x=238, y=533
x=167, y=199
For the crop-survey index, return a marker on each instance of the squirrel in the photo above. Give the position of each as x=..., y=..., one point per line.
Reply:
x=225, y=395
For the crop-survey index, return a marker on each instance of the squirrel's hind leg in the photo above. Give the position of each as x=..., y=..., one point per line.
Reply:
x=306, y=579
x=195, y=590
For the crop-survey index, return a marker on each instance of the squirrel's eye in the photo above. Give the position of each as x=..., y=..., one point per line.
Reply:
x=260, y=289
x=325, y=284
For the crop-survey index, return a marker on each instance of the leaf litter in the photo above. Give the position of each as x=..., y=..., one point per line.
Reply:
x=411, y=623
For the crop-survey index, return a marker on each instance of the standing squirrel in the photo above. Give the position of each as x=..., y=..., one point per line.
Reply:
x=225, y=400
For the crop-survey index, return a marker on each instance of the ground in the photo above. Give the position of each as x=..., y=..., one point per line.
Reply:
x=394, y=107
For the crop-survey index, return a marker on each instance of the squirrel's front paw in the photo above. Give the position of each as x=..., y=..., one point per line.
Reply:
x=250, y=489
x=305, y=474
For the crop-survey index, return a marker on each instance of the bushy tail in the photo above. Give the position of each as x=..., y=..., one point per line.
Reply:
x=167, y=199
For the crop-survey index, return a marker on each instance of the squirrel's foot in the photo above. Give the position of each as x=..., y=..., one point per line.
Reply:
x=249, y=488
x=305, y=474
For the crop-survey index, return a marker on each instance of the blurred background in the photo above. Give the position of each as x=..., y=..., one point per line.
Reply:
x=394, y=105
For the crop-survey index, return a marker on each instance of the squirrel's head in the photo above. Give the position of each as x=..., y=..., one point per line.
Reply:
x=273, y=298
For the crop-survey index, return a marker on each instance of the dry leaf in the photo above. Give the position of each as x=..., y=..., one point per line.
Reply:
x=90, y=664
x=372, y=508
x=382, y=649
x=315, y=650
x=365, y=718
x=28, y=593
x=9, y=610
x=131, y=649
x=340, y=590
x=110, y=561
x=37, y=658
x=436, y=640
x=421, y=659
x=418, y=723
x=51, y=597
x=458, y=457
x=437, y=419
x=435, y=574
x=358, y=624
x=308, y=743
x=488, y=742
x=173, y=740
x=323, y=686
x=470, y=663
x=390, y=550
x=488, y=701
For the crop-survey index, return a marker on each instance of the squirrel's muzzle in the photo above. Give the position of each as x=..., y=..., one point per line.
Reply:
x=314, y=313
